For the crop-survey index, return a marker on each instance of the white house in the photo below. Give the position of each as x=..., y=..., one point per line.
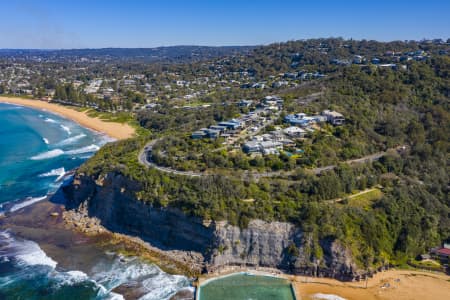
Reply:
x=294, y=131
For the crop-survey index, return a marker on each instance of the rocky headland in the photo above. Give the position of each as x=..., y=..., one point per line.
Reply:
x=203, y=246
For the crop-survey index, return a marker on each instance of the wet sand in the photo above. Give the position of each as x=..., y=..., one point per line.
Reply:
x=112, y=129
x=36, y=223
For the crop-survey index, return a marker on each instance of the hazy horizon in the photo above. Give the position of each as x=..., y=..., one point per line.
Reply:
x=217, y=46
x=50, y=24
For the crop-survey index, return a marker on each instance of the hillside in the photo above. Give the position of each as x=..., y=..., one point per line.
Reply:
x=403, y=110
x=149, y=55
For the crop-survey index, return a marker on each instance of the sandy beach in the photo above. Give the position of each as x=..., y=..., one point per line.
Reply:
x=114, y=130
x=392, y=284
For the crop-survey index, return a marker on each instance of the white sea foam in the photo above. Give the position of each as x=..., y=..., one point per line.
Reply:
x=71, y=140
x=26, y=203
x=58, y=152
x=106, y=139
x=87, y=149
x=55, y=172
x=70, y=277
x=320, y=296
x=45, y=140
x=82, y=157
x=66, y=129
x=49, y=120
x=48, y=154
x=24, y=251
x=107, y=276
x=119, y=272
x=157, y=284
x=163, y=286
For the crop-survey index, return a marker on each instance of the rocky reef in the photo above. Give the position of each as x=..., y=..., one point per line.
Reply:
x=110, y=200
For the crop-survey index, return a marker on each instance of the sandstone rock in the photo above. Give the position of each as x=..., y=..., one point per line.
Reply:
x=189, y=239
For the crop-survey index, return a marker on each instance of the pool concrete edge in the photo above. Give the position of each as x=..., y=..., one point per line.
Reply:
x=252, y=273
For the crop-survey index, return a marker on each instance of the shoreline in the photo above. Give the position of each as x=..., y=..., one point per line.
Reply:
x=390, y=284
x=112, y=129
x=44, y=223
x=399, y=284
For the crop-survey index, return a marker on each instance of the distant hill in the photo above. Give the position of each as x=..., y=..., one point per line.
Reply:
x=159, y=54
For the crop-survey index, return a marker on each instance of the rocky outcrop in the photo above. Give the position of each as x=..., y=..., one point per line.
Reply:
x=111, y=199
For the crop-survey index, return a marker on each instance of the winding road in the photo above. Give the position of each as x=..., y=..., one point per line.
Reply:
x=145, y=158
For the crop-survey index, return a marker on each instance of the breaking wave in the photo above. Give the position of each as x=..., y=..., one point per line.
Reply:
x=48, y=154
x=31, y=271
x=28, y=201
x=66, y=129
x=71, y=140
x=156, y=284
x=50, y=120
x=162, y=286
x=87, y=149
x=58, y=152
x=23, y=252
x=59, y=173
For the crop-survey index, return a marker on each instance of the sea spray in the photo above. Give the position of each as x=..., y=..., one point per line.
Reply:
x=55, y=172
x=30, y=272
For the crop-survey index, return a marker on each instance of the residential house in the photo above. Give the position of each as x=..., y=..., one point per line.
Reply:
x=212, y=134
x=232, y=124
x=251, y=147
x=295, y=132
x=218, y=128
x=271, y=147
x=200, y=134
x=245, y=103
x=334, y=117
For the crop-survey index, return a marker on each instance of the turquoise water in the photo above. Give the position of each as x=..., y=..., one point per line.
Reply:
x=26, y=272
x=37, y=148
x=246, y=287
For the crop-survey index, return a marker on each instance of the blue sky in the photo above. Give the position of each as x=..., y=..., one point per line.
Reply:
x=140, y=23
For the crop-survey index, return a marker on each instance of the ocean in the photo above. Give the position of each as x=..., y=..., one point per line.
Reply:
x=37, y=149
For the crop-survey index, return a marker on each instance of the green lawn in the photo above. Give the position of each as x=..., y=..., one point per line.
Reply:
x=365, y=199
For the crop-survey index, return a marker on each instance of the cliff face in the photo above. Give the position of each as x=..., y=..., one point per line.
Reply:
x=277, y=245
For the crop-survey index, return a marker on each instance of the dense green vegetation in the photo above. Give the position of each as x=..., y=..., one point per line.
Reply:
x=384, y=107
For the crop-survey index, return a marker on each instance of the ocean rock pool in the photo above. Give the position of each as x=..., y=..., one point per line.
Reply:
x=245, y=286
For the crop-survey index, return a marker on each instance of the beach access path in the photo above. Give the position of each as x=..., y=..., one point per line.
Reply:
x=115, y=130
